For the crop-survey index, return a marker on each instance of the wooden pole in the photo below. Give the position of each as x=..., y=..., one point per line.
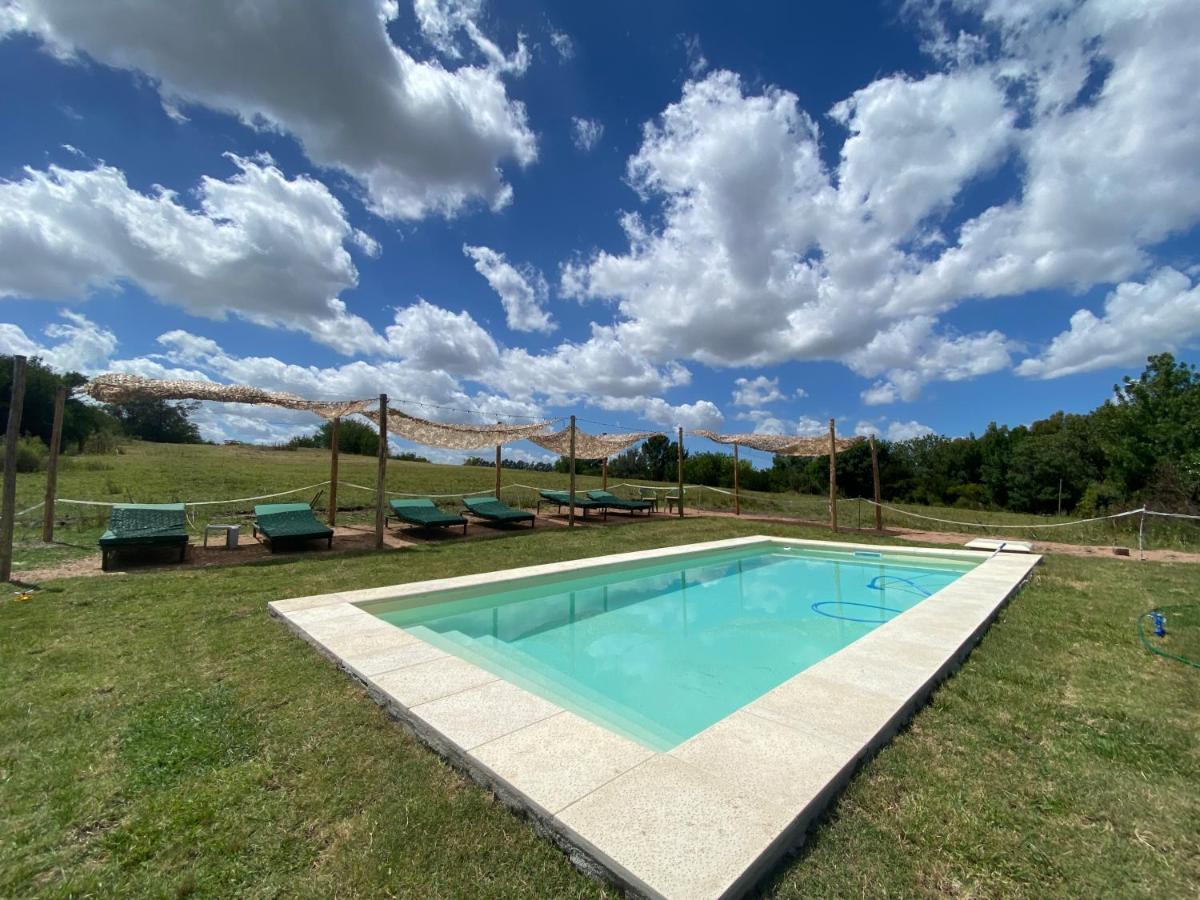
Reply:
x=737, y=496
x=832, y=477
x=604, y=471
x=60, y=404
x=571, y=504
x=681, y=472
x=878, y=492
x=497, y=470
x=8, y=508
x=335, y=427
x=381, y=475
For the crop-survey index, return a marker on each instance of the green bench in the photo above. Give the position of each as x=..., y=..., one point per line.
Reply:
x=560, y=499
x=133, y=525
x=289, y=522
x=612, y=501
x=424, y=513
x=494, y=510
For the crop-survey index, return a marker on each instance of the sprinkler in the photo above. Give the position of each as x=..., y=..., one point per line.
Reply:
x=1160, y=623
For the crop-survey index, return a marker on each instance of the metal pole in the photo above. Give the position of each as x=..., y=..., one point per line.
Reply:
x=878, y=491
x=8, y=508
x=60, y=403
x=381, y=475
x=737, y=497
x=571, y=503
x=335, y=427
x=681, y=473
x=833, y=523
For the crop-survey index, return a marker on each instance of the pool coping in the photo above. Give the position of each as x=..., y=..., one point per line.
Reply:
x=711, y=816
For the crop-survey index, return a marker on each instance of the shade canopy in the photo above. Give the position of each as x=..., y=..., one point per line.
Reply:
x=590, y=446
x=121, y=388
x=453, y=436
x=782, y=444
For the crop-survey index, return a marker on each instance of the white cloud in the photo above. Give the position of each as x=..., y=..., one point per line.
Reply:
x=523, y=291
x=697, y=63
x=1138, y=320
x=77, y=344
x=758, y=391
x=755, y=253
x=895, y=431
x=586, y=133
x=419, y=137
x=562, y=44
x=689, y=416
x=261, y=246
x=432, y=338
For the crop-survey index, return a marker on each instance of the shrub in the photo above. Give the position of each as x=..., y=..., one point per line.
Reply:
x=31, y=455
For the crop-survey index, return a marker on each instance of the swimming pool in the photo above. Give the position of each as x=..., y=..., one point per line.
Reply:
x=660, y=651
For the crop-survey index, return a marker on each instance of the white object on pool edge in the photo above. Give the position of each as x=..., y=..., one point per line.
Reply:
x=1006, y=546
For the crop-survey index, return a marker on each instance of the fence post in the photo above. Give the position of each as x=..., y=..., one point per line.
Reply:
x=8, y=507
x=1141, y=532
x=60, y=403
x=334, y=428
x=497, y=470
x=833, y=522
x=737, y=496
x=381, y=474
x=878, y=491
x=681, y=472
x=571, y=499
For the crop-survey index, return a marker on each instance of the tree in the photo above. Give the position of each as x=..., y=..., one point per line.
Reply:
x=80, y=420
x=157, y=420
x=354, y=437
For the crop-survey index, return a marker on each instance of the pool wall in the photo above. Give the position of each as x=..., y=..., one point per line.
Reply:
x=711, y=816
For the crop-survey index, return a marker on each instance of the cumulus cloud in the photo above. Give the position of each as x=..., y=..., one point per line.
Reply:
x=895, y=431
x=762, y=254
x=523, y=290
x=261, y=246
x=755, y=392
x=419, y=137
x=76, y=344
x=1138, y=319
x=586, y=133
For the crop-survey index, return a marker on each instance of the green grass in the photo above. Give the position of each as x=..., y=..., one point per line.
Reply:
x=160, y=734
x=158, y=473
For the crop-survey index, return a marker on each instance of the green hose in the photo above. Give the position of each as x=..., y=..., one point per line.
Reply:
x=1168, y=612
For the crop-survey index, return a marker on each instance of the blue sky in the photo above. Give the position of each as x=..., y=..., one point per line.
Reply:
x=904, y=217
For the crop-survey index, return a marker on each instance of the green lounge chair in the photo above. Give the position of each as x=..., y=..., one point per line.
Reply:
x=494, y=510
x=424, y=513
x=561, y=499
x=289, y=522
x=612, y=501
x=143, y=525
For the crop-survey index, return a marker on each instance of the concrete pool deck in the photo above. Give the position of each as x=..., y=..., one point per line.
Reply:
x=712, y=815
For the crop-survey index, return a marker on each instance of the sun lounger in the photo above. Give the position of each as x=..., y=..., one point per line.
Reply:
x=494, y=510
x=143, y=525
x=424, y=513
x=562, y=499
x=289, y=522
x=612, y=501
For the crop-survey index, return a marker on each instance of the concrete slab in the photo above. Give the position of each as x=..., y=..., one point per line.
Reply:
x=477, y=715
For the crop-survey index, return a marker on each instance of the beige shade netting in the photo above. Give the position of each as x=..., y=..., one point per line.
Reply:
x=782, y=444
x=119, y=388
x=590, y=446
x=455, y=437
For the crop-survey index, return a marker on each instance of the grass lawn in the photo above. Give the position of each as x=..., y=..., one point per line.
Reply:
x=1062, y=760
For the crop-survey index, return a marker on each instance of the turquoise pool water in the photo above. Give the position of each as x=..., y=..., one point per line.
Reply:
x=659, y=651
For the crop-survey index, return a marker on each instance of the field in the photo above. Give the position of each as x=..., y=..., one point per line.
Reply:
x=1061, y=761
x=157, y=473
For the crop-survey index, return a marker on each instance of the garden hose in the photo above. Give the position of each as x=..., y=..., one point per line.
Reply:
x=1168, y=612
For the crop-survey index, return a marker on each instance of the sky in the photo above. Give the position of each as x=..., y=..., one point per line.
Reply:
x=910, y=218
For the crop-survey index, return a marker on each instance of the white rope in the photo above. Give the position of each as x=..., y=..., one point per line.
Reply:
x=430, y=496
x=31, y=509
x=990, y=526
x=1151, y=512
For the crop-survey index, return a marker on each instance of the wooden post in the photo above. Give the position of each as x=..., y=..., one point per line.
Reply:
x=8, y=508
x=681, y=472
x=737, y=497
x=60, y=404
x=604, y=473
x=381, y=475
x=497, y=470
x=832, y=477
x=878, y=492
x=335, y=427
x=571, y=504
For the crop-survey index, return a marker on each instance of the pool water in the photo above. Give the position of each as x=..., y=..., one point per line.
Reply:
x=659, y=651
